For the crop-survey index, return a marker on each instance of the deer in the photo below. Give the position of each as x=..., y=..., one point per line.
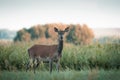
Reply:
x=47, y=53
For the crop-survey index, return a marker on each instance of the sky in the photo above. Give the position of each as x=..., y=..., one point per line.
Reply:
x=18, y=14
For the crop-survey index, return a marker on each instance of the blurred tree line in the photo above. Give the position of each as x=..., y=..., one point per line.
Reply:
x=78, y=34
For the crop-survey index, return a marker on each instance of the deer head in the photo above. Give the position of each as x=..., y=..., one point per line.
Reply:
x=61, y=33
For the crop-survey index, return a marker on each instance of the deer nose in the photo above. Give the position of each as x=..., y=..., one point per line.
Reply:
x=61, y=37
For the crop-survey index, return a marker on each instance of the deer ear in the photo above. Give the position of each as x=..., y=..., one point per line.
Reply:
x=55, y=29
x=66, y=29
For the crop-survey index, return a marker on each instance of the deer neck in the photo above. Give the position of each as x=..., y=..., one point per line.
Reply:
x=60, y=47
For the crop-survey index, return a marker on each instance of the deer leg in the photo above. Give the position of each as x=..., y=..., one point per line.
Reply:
x=34, y=65
x=28, y=65
x=37, y=63
x=50, y=65
x=58, y=65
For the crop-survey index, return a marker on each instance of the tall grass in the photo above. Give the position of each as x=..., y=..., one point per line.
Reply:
x=104, y=56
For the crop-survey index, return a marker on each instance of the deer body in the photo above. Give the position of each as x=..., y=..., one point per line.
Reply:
x=43, y=51
x=47, y=53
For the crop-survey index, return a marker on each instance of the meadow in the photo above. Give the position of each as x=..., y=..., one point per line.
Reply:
x=96, y=61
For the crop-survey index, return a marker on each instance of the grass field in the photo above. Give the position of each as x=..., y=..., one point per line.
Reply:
x=74, y=57
x=62, y=75
x=95, y=61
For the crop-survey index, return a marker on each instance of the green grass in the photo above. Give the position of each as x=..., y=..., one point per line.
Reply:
x=103, y=56
x=94, y=74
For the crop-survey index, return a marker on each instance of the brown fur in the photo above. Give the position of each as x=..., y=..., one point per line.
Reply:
x=43, y=51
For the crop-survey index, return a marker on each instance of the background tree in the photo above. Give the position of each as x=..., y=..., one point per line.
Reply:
x=77, y=34
x=22, y=35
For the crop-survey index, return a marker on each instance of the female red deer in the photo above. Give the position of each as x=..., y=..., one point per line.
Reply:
x=47, y=53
